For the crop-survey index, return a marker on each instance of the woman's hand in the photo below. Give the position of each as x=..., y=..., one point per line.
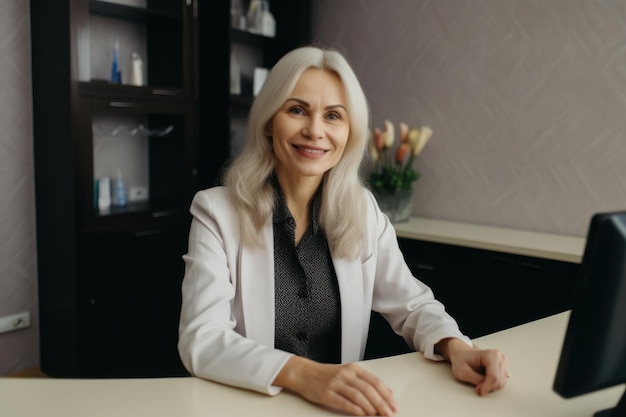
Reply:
x=486, y=369
x=348, y=387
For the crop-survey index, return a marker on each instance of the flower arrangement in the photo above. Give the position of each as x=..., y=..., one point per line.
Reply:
x=393, y=170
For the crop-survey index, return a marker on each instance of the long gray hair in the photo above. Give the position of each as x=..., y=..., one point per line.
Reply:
x=341, y=214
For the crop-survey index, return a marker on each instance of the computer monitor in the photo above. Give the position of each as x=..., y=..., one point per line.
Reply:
x=593, y=355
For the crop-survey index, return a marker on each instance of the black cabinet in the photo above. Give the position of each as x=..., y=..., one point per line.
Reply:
x=109, y=275
x=129, y=302
x=485, y=291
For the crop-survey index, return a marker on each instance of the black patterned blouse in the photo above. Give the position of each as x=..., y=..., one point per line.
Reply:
x=308, y=310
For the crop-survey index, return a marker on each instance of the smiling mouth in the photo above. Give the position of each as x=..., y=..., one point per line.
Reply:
x=310, y=150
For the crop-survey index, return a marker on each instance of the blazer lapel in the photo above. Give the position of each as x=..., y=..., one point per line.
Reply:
x=256, y=266
x=350, y=280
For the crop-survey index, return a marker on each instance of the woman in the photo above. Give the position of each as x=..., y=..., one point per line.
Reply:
x=289, y=258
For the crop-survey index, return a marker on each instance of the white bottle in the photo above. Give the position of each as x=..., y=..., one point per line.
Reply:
x=258, y=79
x=104, y=193
x=268, y=23
x=237, y=17
x=254, y=17
x=137, y=73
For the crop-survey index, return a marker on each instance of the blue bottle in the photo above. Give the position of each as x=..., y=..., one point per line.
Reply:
x=119, y=190
x=116, y=73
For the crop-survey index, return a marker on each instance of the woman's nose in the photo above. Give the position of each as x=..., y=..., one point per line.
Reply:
x=314, y=128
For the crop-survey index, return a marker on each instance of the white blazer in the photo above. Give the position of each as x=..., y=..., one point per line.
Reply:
x=226, y=331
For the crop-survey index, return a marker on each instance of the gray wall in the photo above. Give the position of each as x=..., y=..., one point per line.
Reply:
x=526, y=99
x=18, y=268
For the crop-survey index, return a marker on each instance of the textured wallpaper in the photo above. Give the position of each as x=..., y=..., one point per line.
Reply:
x=18, y=275
x=527, y=100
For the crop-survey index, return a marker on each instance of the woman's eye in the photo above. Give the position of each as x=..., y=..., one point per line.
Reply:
x=296, y=110
x=334, y=116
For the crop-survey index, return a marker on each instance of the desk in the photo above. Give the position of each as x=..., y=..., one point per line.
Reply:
x=422, y=387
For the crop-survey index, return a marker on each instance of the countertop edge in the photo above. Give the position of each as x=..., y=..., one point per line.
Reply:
x=520, y=242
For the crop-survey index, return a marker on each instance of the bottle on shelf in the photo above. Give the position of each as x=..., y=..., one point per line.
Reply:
x=104, y=193
x=258, y=79
x=260, y=19
x=268, y=23
x=119, y=190
x=116, y=73
x=254, y=17
x=137, y=74
x=237, y=16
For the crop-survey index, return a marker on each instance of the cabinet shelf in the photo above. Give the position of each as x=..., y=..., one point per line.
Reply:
x=137, y=14
x=252, y=39
x=104, y=89
x=143, y=208
x=138, y=218
x=241, y=100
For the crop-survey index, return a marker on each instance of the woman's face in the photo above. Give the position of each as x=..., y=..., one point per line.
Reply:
x=311, y=129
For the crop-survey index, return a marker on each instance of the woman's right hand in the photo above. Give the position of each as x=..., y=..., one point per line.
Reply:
x=347, y=387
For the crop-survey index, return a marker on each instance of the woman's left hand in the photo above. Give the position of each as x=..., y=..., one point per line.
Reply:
x=486, y=369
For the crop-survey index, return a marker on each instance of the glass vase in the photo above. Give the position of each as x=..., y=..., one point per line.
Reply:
x=396, y=204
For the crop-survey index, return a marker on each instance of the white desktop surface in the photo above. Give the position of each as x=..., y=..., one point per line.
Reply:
x=422, y=388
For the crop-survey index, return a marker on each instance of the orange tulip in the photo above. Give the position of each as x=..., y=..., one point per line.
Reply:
x=402, y=151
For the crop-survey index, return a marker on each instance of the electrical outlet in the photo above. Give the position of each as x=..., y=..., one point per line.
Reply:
x=14, y=322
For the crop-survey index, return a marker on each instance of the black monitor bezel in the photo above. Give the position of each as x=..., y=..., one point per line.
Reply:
x=593, y=355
